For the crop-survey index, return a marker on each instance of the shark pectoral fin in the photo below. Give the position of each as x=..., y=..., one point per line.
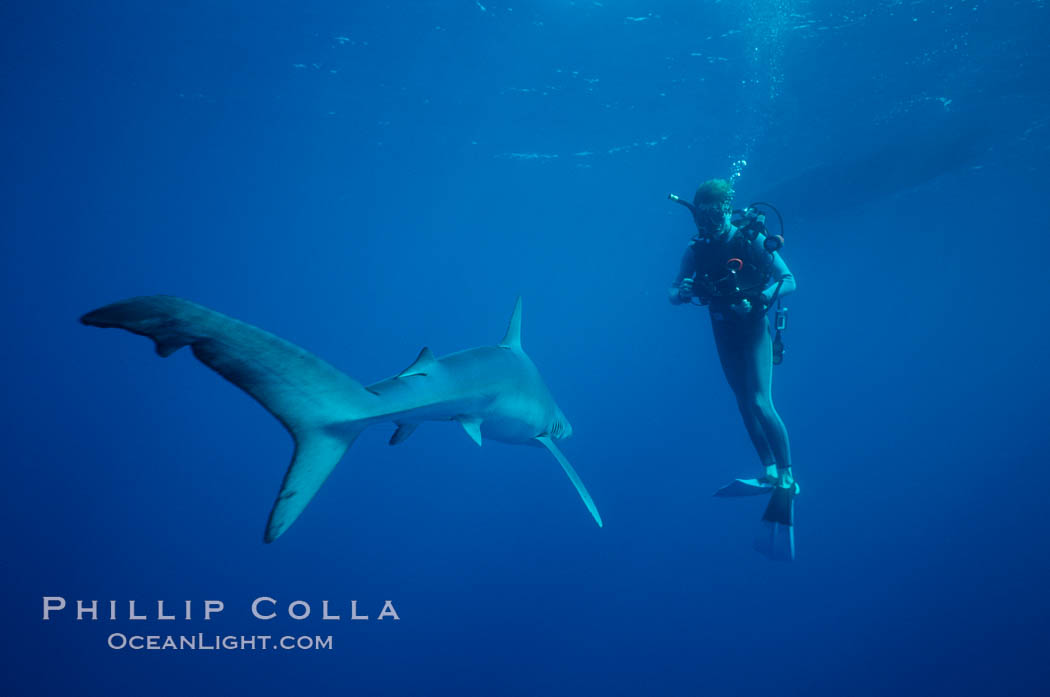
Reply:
x=402, y=433
x=317, y=452
x=423, y=364
x=573, y=477
x=472, y=425
x=512, y=339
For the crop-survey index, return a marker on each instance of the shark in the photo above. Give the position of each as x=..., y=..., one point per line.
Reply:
x=493, y=392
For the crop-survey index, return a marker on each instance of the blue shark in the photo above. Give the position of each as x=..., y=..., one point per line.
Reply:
x=493, y=392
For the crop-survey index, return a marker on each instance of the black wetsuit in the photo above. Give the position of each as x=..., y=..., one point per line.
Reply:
x=742, y=339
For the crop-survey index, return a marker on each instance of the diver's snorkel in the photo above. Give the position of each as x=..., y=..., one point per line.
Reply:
x=679, y=199
x=701, y=224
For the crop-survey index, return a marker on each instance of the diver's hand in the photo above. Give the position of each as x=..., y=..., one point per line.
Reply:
x=741, y=308
x=685, y=290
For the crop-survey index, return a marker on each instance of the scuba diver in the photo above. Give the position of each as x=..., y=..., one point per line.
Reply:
x=732, y=265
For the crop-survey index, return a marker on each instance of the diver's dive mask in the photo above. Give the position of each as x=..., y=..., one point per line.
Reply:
x=709, y=219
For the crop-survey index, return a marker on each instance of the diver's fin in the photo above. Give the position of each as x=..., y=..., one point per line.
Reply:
x=776, y=539
x=776, y=542
x=781, y=508
x=744, y=487
x=472, y=425
x=402, y=433
x=423, y=364
x=573, y=477
x=318, y=404
x=512, y=339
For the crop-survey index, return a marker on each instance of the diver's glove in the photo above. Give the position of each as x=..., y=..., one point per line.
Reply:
x=685, y=290
x=756, y=303
x=741, y=308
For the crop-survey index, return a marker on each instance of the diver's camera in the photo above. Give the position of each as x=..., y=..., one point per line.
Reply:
x=726, y=285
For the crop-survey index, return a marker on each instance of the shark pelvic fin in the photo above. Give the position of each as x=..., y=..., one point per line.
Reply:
x=423, y=364
x=472, y=425
x=402, y=433
x=512, y=339
x=573, y=477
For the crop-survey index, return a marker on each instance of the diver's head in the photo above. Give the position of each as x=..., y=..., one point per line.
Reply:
x=560, y=427
x=712, y=206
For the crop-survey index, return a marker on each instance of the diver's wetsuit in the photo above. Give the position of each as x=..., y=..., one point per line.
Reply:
x=743, y=342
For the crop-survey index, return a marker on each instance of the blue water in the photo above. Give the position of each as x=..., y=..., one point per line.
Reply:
x=365, y=179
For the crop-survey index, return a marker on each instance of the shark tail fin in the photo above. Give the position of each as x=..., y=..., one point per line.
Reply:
x=319, y=405
x=573, y=477
x=317, y=452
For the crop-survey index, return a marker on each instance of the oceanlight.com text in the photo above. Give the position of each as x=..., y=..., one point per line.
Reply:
x=217, y=642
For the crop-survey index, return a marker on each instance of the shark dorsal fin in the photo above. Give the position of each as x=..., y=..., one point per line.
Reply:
x=423, y=364
x=512, y=339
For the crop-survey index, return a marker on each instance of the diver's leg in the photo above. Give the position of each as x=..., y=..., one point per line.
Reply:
x=759, y=380
x=732, y=341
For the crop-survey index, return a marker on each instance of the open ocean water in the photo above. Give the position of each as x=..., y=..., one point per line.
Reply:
x=365, y=179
